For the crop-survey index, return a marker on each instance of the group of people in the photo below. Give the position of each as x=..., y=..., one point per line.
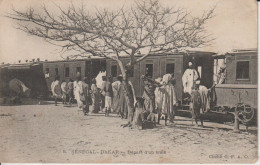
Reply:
x=117, y=96
x=159, y=96
x=68, y=91
x=110, y=97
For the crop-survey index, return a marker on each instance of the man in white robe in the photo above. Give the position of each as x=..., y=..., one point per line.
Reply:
x=64, y=89
x=56, y=89
x=169, y=98
x=78, y=91
x=189, y=77
x=116, y=95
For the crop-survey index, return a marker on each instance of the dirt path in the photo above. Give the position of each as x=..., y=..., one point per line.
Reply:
x=45, y=133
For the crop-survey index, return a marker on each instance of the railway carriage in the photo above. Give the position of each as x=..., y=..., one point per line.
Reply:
x=239, y=92
x=30, y=73
x=68, y=69
x=156, y=66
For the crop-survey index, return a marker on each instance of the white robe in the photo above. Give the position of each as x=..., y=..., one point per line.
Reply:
x=158, y=99
x=99, y=79
x=78, y=92
x=169, y=98
x=188, y=78
x=64, y=87
x=56, y=89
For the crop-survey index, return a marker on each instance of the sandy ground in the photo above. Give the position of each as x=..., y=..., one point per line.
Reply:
x=48, y=133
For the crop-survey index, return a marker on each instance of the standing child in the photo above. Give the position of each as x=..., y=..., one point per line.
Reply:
x=108, y=95
x=70, y=91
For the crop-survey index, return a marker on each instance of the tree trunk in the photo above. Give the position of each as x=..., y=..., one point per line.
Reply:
x=129, y=99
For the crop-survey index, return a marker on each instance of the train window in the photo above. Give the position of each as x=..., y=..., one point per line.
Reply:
x=149, y=70
x=242, y=70
x=47, y=70
x=67, y=72
x=170, y=68
x=47, y=73
x=113, y=70
x=131, y=72
x=78, y=70
x=56, y=71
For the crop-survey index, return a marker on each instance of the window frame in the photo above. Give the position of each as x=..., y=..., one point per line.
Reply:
x=173, y=67
x=78, y=68
x=112, y=72
x=47, y=70
x=56, y=71
x=152, y=68
x=243, y=79
x=67, y=74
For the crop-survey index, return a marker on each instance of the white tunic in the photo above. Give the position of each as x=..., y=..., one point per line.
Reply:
x=188, y=78
x=55, y=88
x=78, y=90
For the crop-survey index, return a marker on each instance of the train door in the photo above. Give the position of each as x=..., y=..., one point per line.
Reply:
x=114, y=70
x=204, y=66
x=95, y=66
x=149, y=67
x=172, y=64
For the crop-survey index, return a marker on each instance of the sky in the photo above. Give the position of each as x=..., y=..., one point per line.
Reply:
x=233, y=27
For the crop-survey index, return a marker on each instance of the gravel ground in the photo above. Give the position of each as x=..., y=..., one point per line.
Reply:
x=56, y=134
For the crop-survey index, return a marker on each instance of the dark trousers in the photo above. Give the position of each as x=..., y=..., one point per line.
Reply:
x=102, y=101
x=56, y=100
x=85, y=107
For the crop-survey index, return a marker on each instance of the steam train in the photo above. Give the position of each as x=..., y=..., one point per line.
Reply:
x=239, y=90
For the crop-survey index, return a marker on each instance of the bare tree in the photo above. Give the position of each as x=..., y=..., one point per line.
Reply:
x=147, y=27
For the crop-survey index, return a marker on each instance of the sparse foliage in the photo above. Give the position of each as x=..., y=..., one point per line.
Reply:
x=146, y=27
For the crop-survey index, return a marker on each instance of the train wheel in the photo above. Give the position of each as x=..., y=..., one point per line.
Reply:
x=245, y=113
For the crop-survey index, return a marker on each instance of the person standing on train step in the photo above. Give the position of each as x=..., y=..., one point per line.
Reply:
x=64, y=89
x=108, y=96
x=116, y=94
x=86, y=95
x=189, y=77
x=95, y=94
x=56, y=89
x=103, y=93
x=70, y=91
